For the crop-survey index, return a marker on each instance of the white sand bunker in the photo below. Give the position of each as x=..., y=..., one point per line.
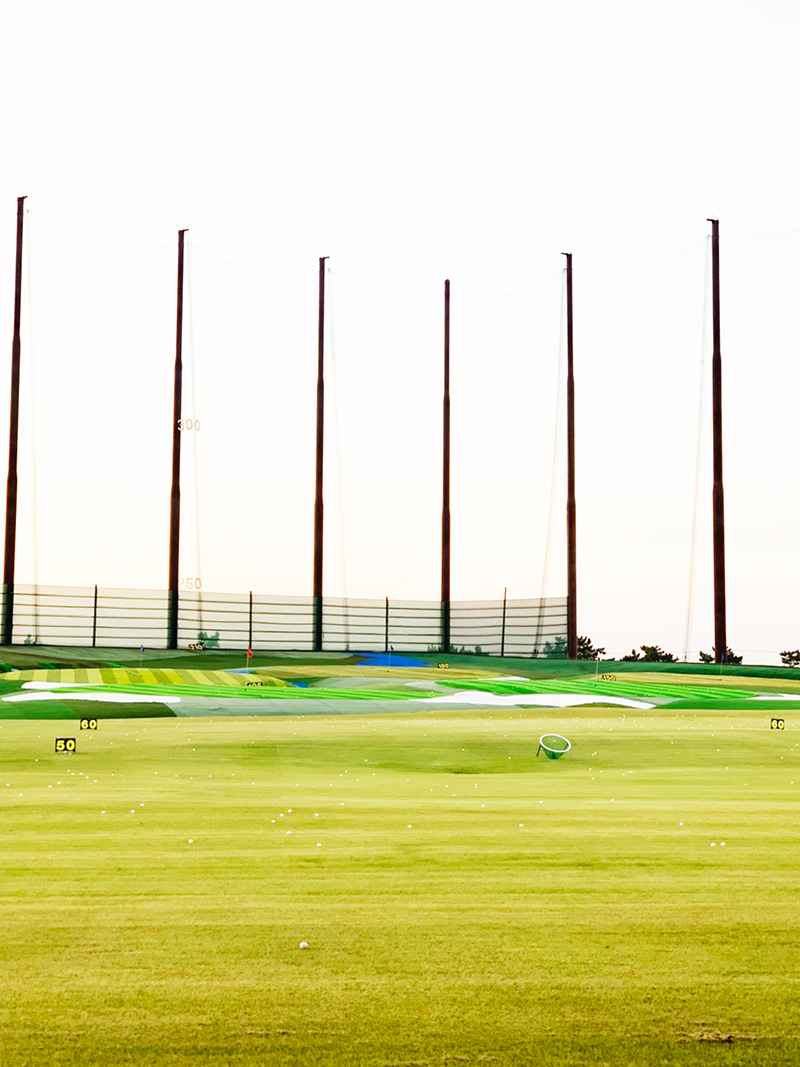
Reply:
x=542, y=700
x=107, y=698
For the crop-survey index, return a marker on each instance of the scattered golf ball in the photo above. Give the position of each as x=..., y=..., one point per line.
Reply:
x=304, y=944
x=191, y=841
x=521, y=825
x=409, y=827
x=319, y=844
x=713, y=844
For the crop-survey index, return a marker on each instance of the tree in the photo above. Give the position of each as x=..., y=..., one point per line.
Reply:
x=586, y=649
x=652, y=654
x=711, y=657
x=556, y=649
x=791, y=659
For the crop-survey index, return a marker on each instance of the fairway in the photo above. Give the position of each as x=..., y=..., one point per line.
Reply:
x=463, y=901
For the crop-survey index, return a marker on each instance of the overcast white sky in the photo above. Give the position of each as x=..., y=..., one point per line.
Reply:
x=410, y=144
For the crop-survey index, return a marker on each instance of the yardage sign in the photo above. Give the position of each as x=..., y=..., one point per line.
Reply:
x=777, y=724
x=66, y=744
x=609, y=677
x=443, y=666
x=88, y=724
x=196, y=647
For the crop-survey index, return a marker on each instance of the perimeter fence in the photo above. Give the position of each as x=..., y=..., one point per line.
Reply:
x=130, y=618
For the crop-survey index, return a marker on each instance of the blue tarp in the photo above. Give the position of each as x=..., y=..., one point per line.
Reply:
x=388, y=659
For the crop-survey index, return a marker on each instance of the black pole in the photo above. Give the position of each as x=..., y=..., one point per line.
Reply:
x=13, y=436
x=94, y=619
x=572, y=571
x=386, y=628
x=503, y=631
x=318, y=506
x=250, y=624
x=718, y=503
x=175, y=495
x=446, y=477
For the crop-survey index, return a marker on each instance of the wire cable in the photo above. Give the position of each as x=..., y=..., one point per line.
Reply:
x=698, y=458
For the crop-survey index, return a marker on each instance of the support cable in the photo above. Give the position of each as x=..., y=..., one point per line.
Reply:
x=335, y=381
x=537, y=651
x=32, y=401
x=699, y=455
x=195, y=434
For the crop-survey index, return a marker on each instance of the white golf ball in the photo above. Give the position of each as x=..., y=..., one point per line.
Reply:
x=304, y=944
x=190, y=841
x=713, y=844
x=319, y=844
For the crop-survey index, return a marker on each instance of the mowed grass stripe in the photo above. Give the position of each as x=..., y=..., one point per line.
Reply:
x=677, y=690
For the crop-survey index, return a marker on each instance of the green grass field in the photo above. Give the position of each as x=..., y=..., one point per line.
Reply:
x=467, y=902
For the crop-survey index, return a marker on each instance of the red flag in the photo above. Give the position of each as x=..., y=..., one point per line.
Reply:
x=249, y=653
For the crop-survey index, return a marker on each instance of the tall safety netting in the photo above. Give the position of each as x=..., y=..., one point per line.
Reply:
x=98, y=348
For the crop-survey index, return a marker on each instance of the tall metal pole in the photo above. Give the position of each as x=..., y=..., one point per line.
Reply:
x=720, y=622
x=13, y=435
x=386, y=628
x=318, y=505
x=503, y=630
x=175, y=495
x=572, y=566
x=446, y=477
x=250, y=623
x=94, y=620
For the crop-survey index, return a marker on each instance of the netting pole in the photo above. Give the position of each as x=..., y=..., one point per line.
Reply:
x=94, y=619
x=175, y=494
x=718, y=502
x=318, y=506
x=386, y=628
x=445, y=598
x=572, y=571
x=250, y=623
x=13, y=436
x=503, y=630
